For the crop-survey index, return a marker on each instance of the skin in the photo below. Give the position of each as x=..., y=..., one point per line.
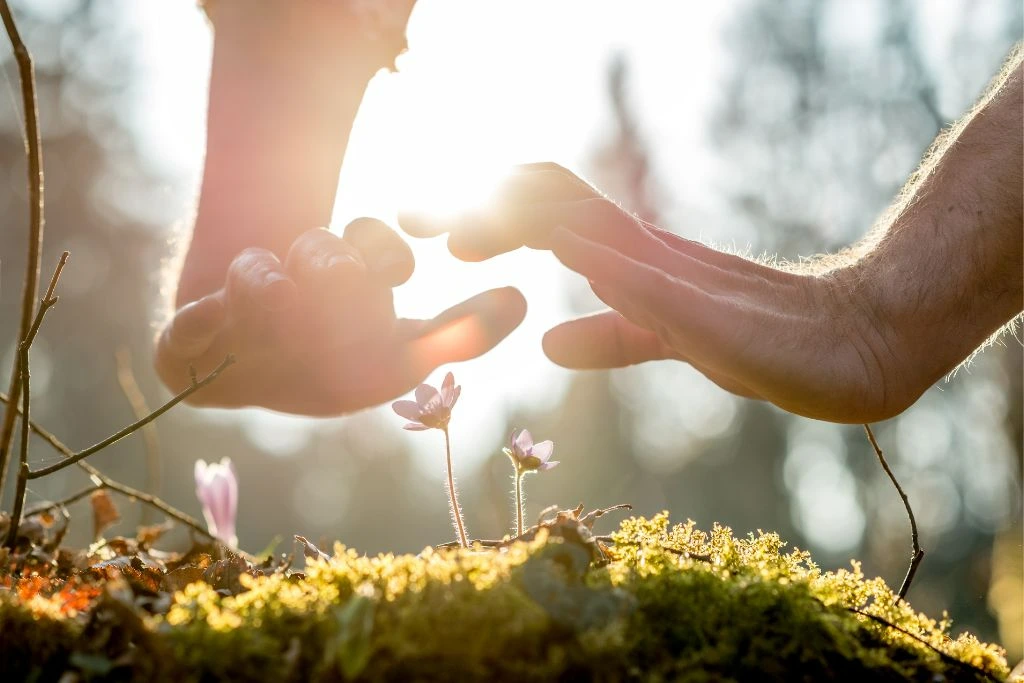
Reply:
x=856, y=337
x=308, y=314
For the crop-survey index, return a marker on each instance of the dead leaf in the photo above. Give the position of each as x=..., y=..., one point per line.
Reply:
x=104, y=512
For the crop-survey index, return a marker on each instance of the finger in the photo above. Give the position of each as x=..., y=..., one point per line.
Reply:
x=512, y=219
x=498, y=226
x=387, y=369
x=386, y=255
x=466, y=330
x=649, y=287
x=193, y=328
x=603, y=340
x=256, y=280
x=607, y=340
x=323, y=264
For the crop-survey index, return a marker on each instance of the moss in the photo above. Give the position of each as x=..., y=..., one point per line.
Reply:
x=674, y=603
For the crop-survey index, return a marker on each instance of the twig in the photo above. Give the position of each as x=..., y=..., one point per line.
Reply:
x=73, y=498
x=945, y=656
x=26, y=74
x=102, y=481
x=137, y=400
x=918, y=554
x=135, y=426
x=26, y=402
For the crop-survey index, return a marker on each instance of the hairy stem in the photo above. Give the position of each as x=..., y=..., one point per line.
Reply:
x=916, y=553
x=26, y=75
x=453, y=498
x=195, y=386
x=519, y=503
x=26, y=402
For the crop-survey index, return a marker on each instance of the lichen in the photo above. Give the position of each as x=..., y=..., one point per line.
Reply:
x=674, y=603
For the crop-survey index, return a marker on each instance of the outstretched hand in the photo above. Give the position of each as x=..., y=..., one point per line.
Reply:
x=799, y=341
x=317, y=334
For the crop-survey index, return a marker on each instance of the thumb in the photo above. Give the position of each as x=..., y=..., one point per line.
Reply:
x=603, y=340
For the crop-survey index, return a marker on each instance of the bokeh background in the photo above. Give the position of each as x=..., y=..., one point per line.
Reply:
x=767, y=126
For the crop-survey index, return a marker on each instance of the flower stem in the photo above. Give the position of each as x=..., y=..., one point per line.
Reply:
x=453, y=498
x=519, y=503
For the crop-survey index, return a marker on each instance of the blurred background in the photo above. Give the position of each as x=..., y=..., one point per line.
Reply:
x=760, y=125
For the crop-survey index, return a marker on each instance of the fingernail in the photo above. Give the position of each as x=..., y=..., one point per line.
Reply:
x=279, y=292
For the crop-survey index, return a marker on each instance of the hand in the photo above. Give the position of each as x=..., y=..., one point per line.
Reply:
x=804, y=343
x=317, y=334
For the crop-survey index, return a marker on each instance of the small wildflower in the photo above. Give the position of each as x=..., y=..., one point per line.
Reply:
x=432, y=409
x=217, y=490
x=528, y=456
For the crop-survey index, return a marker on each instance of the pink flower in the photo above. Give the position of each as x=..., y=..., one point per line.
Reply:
x=217, y=490
x=432, y=409
x=529, y=456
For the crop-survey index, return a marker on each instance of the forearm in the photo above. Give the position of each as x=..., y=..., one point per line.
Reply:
x=946, y=271
x=286, y=82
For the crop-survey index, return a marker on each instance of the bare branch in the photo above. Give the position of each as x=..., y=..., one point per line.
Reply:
x=103, y=481
x=26, y=402
x=73, y=498
x=135, y=426
x=26, y=74
x=945, y=656
x=917, y=554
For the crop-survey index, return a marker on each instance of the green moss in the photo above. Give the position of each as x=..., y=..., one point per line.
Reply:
x=673, y=604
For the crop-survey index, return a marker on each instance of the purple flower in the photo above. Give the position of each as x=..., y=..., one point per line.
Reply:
x=528, y=456
x=217, y=490
x=432, y=408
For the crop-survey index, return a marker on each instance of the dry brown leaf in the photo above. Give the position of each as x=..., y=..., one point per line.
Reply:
x=104, y=512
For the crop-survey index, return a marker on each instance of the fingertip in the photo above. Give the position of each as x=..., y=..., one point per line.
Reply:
x=421, y=224
x=195, y=326
x=385, y=254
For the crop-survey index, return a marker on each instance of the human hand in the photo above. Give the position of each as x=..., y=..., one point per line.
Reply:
x=317, y=334
x=805, y=343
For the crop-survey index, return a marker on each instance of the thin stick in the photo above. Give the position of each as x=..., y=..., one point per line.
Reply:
x=26, y=401
x=453, y=498
x=917, y=553
x=26, y=74
x=945, y=656
x=73, y=498
x=135, y=426
x=137, y=400
x=102, y=481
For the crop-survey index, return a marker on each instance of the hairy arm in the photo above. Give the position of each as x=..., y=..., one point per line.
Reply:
x=943, y=270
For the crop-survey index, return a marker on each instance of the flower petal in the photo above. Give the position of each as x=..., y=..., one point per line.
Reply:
x=548, y=465
x=523, y=441
x=543, y=450
x=450, y=401
x=415, y=426
x=200, y=472
x=447, y=388
x=425, y=394
x=410, y=410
